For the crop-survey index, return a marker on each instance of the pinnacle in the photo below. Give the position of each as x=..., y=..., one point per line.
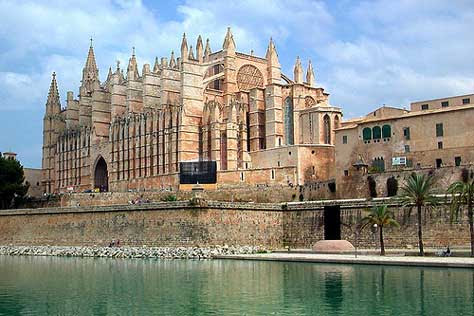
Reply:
x=90, y=62
x=207, y=50
x=172, y=63
x=184, y=42
x=310, y=74
x=229, y=40
x=184, y=48
x=53, y=94
x=156, y=67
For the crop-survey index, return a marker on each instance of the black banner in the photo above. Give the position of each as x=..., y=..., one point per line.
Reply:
x=197, y=172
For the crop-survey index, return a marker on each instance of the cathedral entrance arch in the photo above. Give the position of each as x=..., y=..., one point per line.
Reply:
x=101, y=176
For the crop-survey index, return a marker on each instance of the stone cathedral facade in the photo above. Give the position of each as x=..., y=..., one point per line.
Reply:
x=132, y=130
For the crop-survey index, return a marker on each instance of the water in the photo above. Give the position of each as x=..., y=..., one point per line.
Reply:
x=77, y=286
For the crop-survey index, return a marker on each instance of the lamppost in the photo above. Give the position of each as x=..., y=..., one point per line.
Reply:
x=375, y=231
x=357, y=232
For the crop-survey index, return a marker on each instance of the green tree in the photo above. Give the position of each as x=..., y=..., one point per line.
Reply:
x=382, y=217
x=11, y=182
x=462, y=192
x=418, y=190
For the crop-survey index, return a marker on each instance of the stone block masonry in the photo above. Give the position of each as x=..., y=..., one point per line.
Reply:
x=297, y=225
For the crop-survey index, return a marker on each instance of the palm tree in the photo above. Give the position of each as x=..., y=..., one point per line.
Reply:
x=382, y=217
x=463, y=193
x=418, y=190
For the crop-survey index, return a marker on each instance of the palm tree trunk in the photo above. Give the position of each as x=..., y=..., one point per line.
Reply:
x=471, y=225
x=420, y=232
x=382, y=246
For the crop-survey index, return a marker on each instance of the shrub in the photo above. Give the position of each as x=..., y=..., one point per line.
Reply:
x=169, y=198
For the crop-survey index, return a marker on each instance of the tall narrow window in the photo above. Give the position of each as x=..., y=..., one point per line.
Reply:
x=289, y=127
x=406, y=133
x=209, y=143
x=223, y=151
x=344, y=139
x=376, y=132
x=367, y=134
x=327, y=129
x=439, y=130
x=201, y=138
x=247, y=122
x=386, y=131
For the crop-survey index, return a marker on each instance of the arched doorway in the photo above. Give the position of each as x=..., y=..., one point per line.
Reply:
x=101, y=177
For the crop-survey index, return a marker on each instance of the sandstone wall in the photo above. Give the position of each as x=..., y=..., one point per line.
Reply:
x=297, y=225
x=356, y=185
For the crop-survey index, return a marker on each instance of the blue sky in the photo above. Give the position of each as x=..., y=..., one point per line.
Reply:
x=365, y=53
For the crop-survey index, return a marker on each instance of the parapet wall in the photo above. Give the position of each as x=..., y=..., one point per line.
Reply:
x=298, y=225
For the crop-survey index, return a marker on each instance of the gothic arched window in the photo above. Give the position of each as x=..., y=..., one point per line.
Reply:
x=376, y=132
x=327, y=129
x=289, y=124
x=336, y=122
x=367, y=133
x=386, y=131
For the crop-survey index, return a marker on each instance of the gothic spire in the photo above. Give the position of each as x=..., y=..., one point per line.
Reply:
x=90, y=72
x=298, y=71
x=53, y=102
x=132, y=69
x=172, y=63
x=191, y=53
x=109, y=75
x=207, y=51
x=90, y=62
x=310, y=75
x=156, y=67
x=272, y=55
x=199, y=49
x=184, y=48
x=229, y=43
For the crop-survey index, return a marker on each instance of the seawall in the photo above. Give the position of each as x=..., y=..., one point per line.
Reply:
x=209, y=223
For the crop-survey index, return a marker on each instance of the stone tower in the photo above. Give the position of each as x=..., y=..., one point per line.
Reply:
x=53, y=123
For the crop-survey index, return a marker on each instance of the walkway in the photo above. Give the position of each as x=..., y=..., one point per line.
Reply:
x=444, y=262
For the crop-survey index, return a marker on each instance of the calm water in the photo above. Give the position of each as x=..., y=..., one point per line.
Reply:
x=74, y=286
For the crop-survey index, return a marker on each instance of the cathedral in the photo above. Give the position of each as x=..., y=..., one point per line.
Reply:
x=235, y=111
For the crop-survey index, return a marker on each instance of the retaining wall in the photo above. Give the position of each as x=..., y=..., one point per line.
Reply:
x=298, y=225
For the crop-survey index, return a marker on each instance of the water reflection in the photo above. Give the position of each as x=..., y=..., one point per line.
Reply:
x=333, y=291
x=75, y=286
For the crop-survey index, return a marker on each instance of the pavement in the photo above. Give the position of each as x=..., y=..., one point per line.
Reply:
x=392, y=259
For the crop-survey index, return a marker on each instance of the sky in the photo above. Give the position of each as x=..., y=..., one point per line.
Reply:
x=365, y=53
